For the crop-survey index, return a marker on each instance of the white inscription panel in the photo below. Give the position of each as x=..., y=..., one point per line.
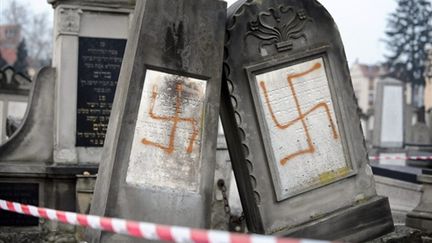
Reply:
x=166, y=149
x=392, y=117
x=304, y=136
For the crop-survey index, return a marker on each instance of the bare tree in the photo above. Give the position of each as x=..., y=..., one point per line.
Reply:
x=40, y=33
x=16, y=13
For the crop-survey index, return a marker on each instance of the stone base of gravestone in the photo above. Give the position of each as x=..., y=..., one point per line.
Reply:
x=419, y=152
x=421, y=216
x=366, y=218
x=84, y=193
x=400, y=185
x=51, y=186
x=388, y=156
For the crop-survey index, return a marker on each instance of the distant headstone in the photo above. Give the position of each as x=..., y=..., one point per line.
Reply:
x=419, y=135
x=159, y=155
x=419, y=132
x=389, y=114
x=90, y=38
x=292, y=127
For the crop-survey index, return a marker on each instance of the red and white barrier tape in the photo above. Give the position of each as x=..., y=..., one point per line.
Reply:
x=145, y=230
x=396, y=157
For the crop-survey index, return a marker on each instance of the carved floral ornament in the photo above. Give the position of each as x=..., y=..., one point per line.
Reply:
x=69, y=22
x=279, y=26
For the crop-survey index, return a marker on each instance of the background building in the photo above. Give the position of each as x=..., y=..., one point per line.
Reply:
x=10, y=37
x=364, y=78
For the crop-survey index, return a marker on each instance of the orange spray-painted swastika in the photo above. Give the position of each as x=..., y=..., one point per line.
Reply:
x=301, y=115
x=169, y=149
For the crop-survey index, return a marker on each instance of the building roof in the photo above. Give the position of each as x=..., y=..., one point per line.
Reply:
x=370, y=71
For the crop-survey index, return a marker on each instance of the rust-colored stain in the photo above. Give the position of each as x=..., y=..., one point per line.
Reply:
x=175, y=120
x=301, y=115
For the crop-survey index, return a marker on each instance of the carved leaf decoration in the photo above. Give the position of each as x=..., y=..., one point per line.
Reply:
x=279, y=26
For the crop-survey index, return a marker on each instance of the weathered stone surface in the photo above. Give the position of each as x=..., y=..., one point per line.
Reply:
x=33, y=141
x=292, y=127
x=166, y=148
x=158, y=159
x=421, y=216
x=294, y=172
x=403, y=196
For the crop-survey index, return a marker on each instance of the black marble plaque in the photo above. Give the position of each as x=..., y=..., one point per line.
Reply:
x=99, y=62
x=26, y=193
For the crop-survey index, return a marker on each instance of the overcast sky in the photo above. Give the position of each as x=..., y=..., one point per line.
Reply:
x=361, y=23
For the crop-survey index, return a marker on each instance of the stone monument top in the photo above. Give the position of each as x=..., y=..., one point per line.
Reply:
x=96, y=3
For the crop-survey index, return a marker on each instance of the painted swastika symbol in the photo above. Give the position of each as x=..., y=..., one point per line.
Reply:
x=301, y=115
x=175, y=119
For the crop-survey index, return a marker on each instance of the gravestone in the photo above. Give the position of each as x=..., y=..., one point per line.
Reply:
x=389, y=114
x=24, y=164
x=159, y=155
x=89, y=43
x=418, y=134
x=392, y=121
x=292, y=128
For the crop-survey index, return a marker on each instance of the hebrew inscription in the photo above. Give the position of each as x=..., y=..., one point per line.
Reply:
x=99, y=63
x=166, y=149
x=299, y=115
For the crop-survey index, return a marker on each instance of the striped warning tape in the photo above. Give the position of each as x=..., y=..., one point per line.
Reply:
x=398, y=157
x=145, y=230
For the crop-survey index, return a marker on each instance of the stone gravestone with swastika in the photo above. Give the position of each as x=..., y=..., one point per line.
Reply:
x=292, y=127
x=159, y=155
